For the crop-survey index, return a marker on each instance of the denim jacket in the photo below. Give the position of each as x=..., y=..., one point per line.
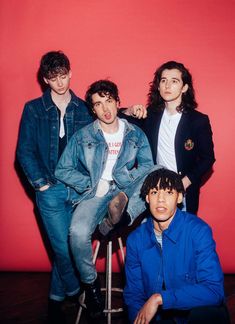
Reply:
x=38, y=143
x=83, y=160
x=187, y=264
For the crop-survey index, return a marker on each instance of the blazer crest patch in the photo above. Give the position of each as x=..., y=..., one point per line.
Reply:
x=188, y=145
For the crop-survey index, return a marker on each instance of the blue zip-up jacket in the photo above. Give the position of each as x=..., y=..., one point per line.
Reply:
x=83, y=160
x=187, y=264
x=38, y=143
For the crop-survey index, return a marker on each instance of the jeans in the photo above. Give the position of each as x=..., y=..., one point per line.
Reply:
x=88, y=214
x=56, y=209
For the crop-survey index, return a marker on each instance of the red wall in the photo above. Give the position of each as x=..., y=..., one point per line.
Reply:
x=125, y=41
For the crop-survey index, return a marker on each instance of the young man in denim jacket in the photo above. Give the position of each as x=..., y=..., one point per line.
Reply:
x=105, y=162
x=173, y=272
x=46, y=126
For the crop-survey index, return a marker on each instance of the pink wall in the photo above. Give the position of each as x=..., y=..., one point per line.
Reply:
x=125, y=41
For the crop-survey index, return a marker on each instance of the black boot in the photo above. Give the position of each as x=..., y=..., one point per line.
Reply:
x=74, y=300
x=55, y=313
x=94, y=300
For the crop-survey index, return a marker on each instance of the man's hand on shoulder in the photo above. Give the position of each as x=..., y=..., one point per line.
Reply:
x=186, y=182
x=148, y=311
x=136, y=111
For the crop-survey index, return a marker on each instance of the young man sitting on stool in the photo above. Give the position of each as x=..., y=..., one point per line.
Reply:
x=105, y=162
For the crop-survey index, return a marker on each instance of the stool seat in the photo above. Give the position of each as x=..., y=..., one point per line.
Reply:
x=108, y=311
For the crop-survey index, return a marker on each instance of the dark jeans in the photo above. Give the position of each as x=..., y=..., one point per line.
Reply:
x=197, y=315
x=55, y=206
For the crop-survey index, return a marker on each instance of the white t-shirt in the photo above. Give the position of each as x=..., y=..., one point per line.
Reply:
x=166, y=140
x=114, y=142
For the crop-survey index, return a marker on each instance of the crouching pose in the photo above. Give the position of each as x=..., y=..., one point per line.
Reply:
x=173, y=274
x=105, y=162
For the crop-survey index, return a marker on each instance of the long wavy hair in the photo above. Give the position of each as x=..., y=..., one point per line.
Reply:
x=156, y=102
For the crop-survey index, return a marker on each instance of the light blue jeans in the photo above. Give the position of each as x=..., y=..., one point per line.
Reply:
x=55, y=206
x=88, y=214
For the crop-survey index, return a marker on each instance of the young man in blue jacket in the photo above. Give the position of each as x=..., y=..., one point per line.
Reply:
x=105, y=162
x=172, y=269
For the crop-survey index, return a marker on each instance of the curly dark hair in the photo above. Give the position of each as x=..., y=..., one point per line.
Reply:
x=164, y=179
x=156, y=102
x=103, y=88
x=54, y=63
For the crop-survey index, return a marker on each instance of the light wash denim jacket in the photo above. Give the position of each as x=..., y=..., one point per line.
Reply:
x=83, y=160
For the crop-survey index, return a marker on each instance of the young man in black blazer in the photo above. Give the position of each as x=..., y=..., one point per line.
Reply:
x=180, y=137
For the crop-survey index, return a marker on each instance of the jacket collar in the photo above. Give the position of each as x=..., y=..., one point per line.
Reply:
x=97, y=127
x=174, y=229
x=48, y=102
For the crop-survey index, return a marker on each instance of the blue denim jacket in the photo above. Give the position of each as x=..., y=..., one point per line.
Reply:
x=187, y=263
x=83, y=160
x=38, y=143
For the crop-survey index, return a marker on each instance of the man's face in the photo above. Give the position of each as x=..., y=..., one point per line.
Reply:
x=171, y=86
x=163, y=204
x=59, y=83
x=105, y=108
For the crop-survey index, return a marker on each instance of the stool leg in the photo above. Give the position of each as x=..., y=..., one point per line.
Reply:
x=121, y=249
x=109, y=283
x=80, y=310
x=96, y=252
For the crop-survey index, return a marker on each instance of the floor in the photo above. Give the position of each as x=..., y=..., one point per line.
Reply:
x=23, y=299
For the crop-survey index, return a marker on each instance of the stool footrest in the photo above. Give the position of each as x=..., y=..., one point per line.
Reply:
x=108, y=308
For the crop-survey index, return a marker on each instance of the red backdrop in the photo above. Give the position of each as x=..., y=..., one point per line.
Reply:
x=125, y=41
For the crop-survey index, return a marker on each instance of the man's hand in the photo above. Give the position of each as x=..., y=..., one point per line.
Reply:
x=186, y=182
x=43, y=188
x=149, y=309
x=137, y=111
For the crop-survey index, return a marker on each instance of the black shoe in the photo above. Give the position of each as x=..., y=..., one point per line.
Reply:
x=55, y=313
x=74, y=300
x=93, y=299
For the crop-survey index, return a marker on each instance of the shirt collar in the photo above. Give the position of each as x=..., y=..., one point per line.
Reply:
x=98, y=128
x=175, y=227
x=48, y=102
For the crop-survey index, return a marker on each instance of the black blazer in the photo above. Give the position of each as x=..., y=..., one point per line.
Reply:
x=194, y=148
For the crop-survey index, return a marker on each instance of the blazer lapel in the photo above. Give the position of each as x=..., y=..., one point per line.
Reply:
x=153, y=131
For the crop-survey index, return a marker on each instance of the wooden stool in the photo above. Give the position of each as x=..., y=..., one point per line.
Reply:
x=108, y=289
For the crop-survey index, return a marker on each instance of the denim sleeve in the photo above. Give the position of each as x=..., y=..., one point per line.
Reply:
x=144, y=158
x=207, y=287
x=27, y=149
x=67, y=167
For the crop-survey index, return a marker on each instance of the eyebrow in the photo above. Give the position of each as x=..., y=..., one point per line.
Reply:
x=95, y=102
x=107, y=98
